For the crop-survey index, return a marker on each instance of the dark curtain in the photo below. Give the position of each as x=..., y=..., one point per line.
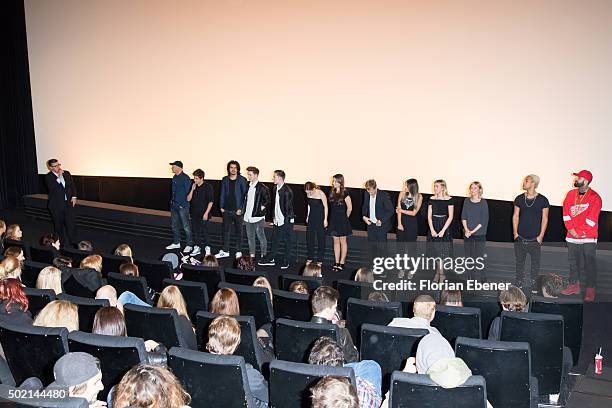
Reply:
x=18, y=169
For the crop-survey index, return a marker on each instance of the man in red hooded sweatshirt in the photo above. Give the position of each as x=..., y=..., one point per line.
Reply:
x=581, y=209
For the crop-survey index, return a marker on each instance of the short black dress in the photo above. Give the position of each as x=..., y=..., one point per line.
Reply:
x=409, y=222
x=440, y=246
x=339, y=224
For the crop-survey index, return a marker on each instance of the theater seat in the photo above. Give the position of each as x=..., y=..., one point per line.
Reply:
x=38, y=299
x=211, y=380
x=208, y=275
x=111, y=263
x=489, y=309
x=32, y=351
x=30, y=271
x=194, y=293
x=8, y=400
x=151, y=323
x=417, y=390
x=155, y=272
x=248, y=348
x=289, y=305
x=544, y=333
x=240, y=277
x=390, y=347
x=136, y=285
x=43, y=254
x=254, y=301
x=455, y=321
x=360, y=311
x=290, y=382
x=506, y=367
x=294, y=339
x=313, y=282
x=351, y=289
x=77, y=255
x=87, y=309
x=116, y=354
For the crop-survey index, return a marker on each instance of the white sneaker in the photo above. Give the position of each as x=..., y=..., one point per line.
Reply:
x=196, y=251
x=238, y=254
x=206, y=250
x=222, y=254
x=173, y=246
x=187, y=250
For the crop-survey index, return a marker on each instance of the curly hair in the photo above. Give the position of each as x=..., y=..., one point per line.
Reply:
x=326, y=351
x=150, y=386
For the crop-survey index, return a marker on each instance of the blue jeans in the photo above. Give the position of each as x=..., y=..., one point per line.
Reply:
x=128, y=297
x=179, y=217
x=368, y=370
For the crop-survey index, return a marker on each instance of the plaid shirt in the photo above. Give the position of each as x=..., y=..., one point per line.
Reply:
x=368, y=397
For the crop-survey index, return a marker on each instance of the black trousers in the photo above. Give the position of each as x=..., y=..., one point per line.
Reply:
x=521, y=249
x=232, y=221
x=64, y=224
x=582, y=263
x=315, y=236
x=199, y=227
x=475, y=248
x=377, y=242
x=284, y=233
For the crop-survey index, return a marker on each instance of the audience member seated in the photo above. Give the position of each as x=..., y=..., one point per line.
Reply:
x=299, y=287
x=86, y=246
x=13, y=232
x=171, y=298
x=110, y=293
x=364, y=275
x=552, y=285
x=13, y=302
x=312, y=269
x=50, y=240
x=79, y=374
x=131, y=269
x=88, y=275
x=2, y=232
x=62, y=262
x=50, y=278
x=378, y=296
x=245, y=263
x=109, y=321
x=451, y=298
x=15, y=251
x=150, y=386
x=433, y=346
x=124, y=250
x=210, y=261
x=326, y=351
x=10, y=267
x=59, y=313
x=512, y=299
x=92, y=262
x=324, y=305
x=223, y=339
x=263, y=282
x=334, y=392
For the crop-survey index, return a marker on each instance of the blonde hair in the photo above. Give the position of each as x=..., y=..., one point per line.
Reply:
x=535, y=178
x=10, y=267
x=59, y=313
x=124, y=250
x=223, y=335
x=150, y=386
x=364, y=274
x=334, y=392
x=299, y=287
x=2, y=228
x=312, y=269
x=513, y=299
x=93, y=262
x=263, y=282
x=50, y=278
x=225, y=302
x=10, y=232
x=442, y=184
x=171, y=298
x=479, y=185
x=424, y=306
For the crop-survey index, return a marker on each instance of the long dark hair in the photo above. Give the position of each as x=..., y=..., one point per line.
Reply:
x=337, y=196
x=109, y=321
x=413, y=187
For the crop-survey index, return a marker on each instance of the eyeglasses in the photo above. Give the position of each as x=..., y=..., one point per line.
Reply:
x=56, y=165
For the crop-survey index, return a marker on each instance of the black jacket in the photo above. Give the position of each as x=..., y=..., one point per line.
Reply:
x=58, y=194
x=384, y=208
x=345, y=340
x=286, y=202
x=262, y=199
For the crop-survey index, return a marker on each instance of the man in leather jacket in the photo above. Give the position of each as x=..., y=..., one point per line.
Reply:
x=254, y=208
x=324, y=304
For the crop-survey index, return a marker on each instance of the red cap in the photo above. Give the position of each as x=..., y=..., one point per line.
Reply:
x=585, y=174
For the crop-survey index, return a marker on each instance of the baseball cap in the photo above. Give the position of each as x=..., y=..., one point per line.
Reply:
x=74, y=369
x=585, y=174
x=177, y=163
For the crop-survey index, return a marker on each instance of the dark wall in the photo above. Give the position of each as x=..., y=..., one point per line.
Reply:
x=18, y=170
x=155, y=192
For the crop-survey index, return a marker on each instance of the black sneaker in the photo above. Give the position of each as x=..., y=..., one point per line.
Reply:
x=285, y=265
x=266, y=262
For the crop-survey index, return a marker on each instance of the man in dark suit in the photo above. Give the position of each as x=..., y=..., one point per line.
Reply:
x=377, y=211
x=61, y=202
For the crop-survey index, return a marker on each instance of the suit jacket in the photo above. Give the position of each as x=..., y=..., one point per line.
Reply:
x=58, y=194
x=384, y=208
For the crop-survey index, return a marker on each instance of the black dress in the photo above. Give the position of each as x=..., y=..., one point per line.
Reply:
x=440, y=246
x=315, y=231
x=409, y=222
x=339, y=224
